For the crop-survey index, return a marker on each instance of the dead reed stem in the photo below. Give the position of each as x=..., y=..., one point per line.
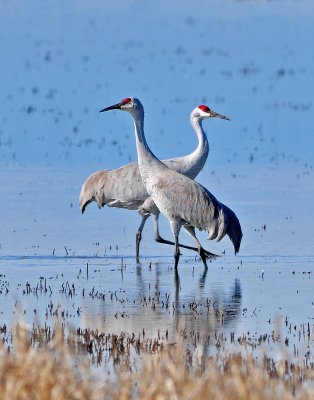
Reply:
x=59, y=366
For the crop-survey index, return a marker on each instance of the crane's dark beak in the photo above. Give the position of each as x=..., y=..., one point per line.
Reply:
x=114, y=107
x=213, y=114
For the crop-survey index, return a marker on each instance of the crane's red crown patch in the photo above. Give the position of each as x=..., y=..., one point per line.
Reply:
x=126, y=100
x=204, y=108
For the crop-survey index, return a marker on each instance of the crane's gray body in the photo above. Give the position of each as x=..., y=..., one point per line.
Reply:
x=183, y=201
x=187, y=203
x=152, y=186
x=124, y=188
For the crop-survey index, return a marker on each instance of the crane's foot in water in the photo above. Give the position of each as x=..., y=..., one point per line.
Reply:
x=203, y=256
x=209, y=255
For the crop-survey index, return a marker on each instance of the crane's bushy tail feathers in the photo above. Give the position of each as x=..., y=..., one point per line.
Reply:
x=226, y=223
x=90, y=189
x=83, y=205
x=233, y=228
x=86, y=197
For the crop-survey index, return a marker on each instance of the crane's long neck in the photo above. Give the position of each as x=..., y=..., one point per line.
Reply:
x=148, y=163
x=197, y=159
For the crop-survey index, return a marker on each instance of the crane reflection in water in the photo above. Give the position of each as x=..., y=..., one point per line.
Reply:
x=151, y=304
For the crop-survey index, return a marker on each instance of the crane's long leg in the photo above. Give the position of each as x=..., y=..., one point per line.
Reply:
x=191, y=231
x=139, y=236
x=159, y=239
x=175, y=227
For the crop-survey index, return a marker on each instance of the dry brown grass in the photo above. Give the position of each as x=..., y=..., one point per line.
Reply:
x=43, y=364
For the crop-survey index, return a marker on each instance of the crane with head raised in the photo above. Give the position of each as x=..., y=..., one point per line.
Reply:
x=123, y=187
x=184, y=202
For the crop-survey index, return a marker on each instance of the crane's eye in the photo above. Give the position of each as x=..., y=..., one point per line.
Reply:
x=204, y=108
x=127, y=100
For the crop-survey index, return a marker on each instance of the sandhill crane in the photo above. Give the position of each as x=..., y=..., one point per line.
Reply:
x=183, y=201
x=123, y=187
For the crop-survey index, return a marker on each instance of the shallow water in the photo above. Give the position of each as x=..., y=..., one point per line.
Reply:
x=48, y=244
